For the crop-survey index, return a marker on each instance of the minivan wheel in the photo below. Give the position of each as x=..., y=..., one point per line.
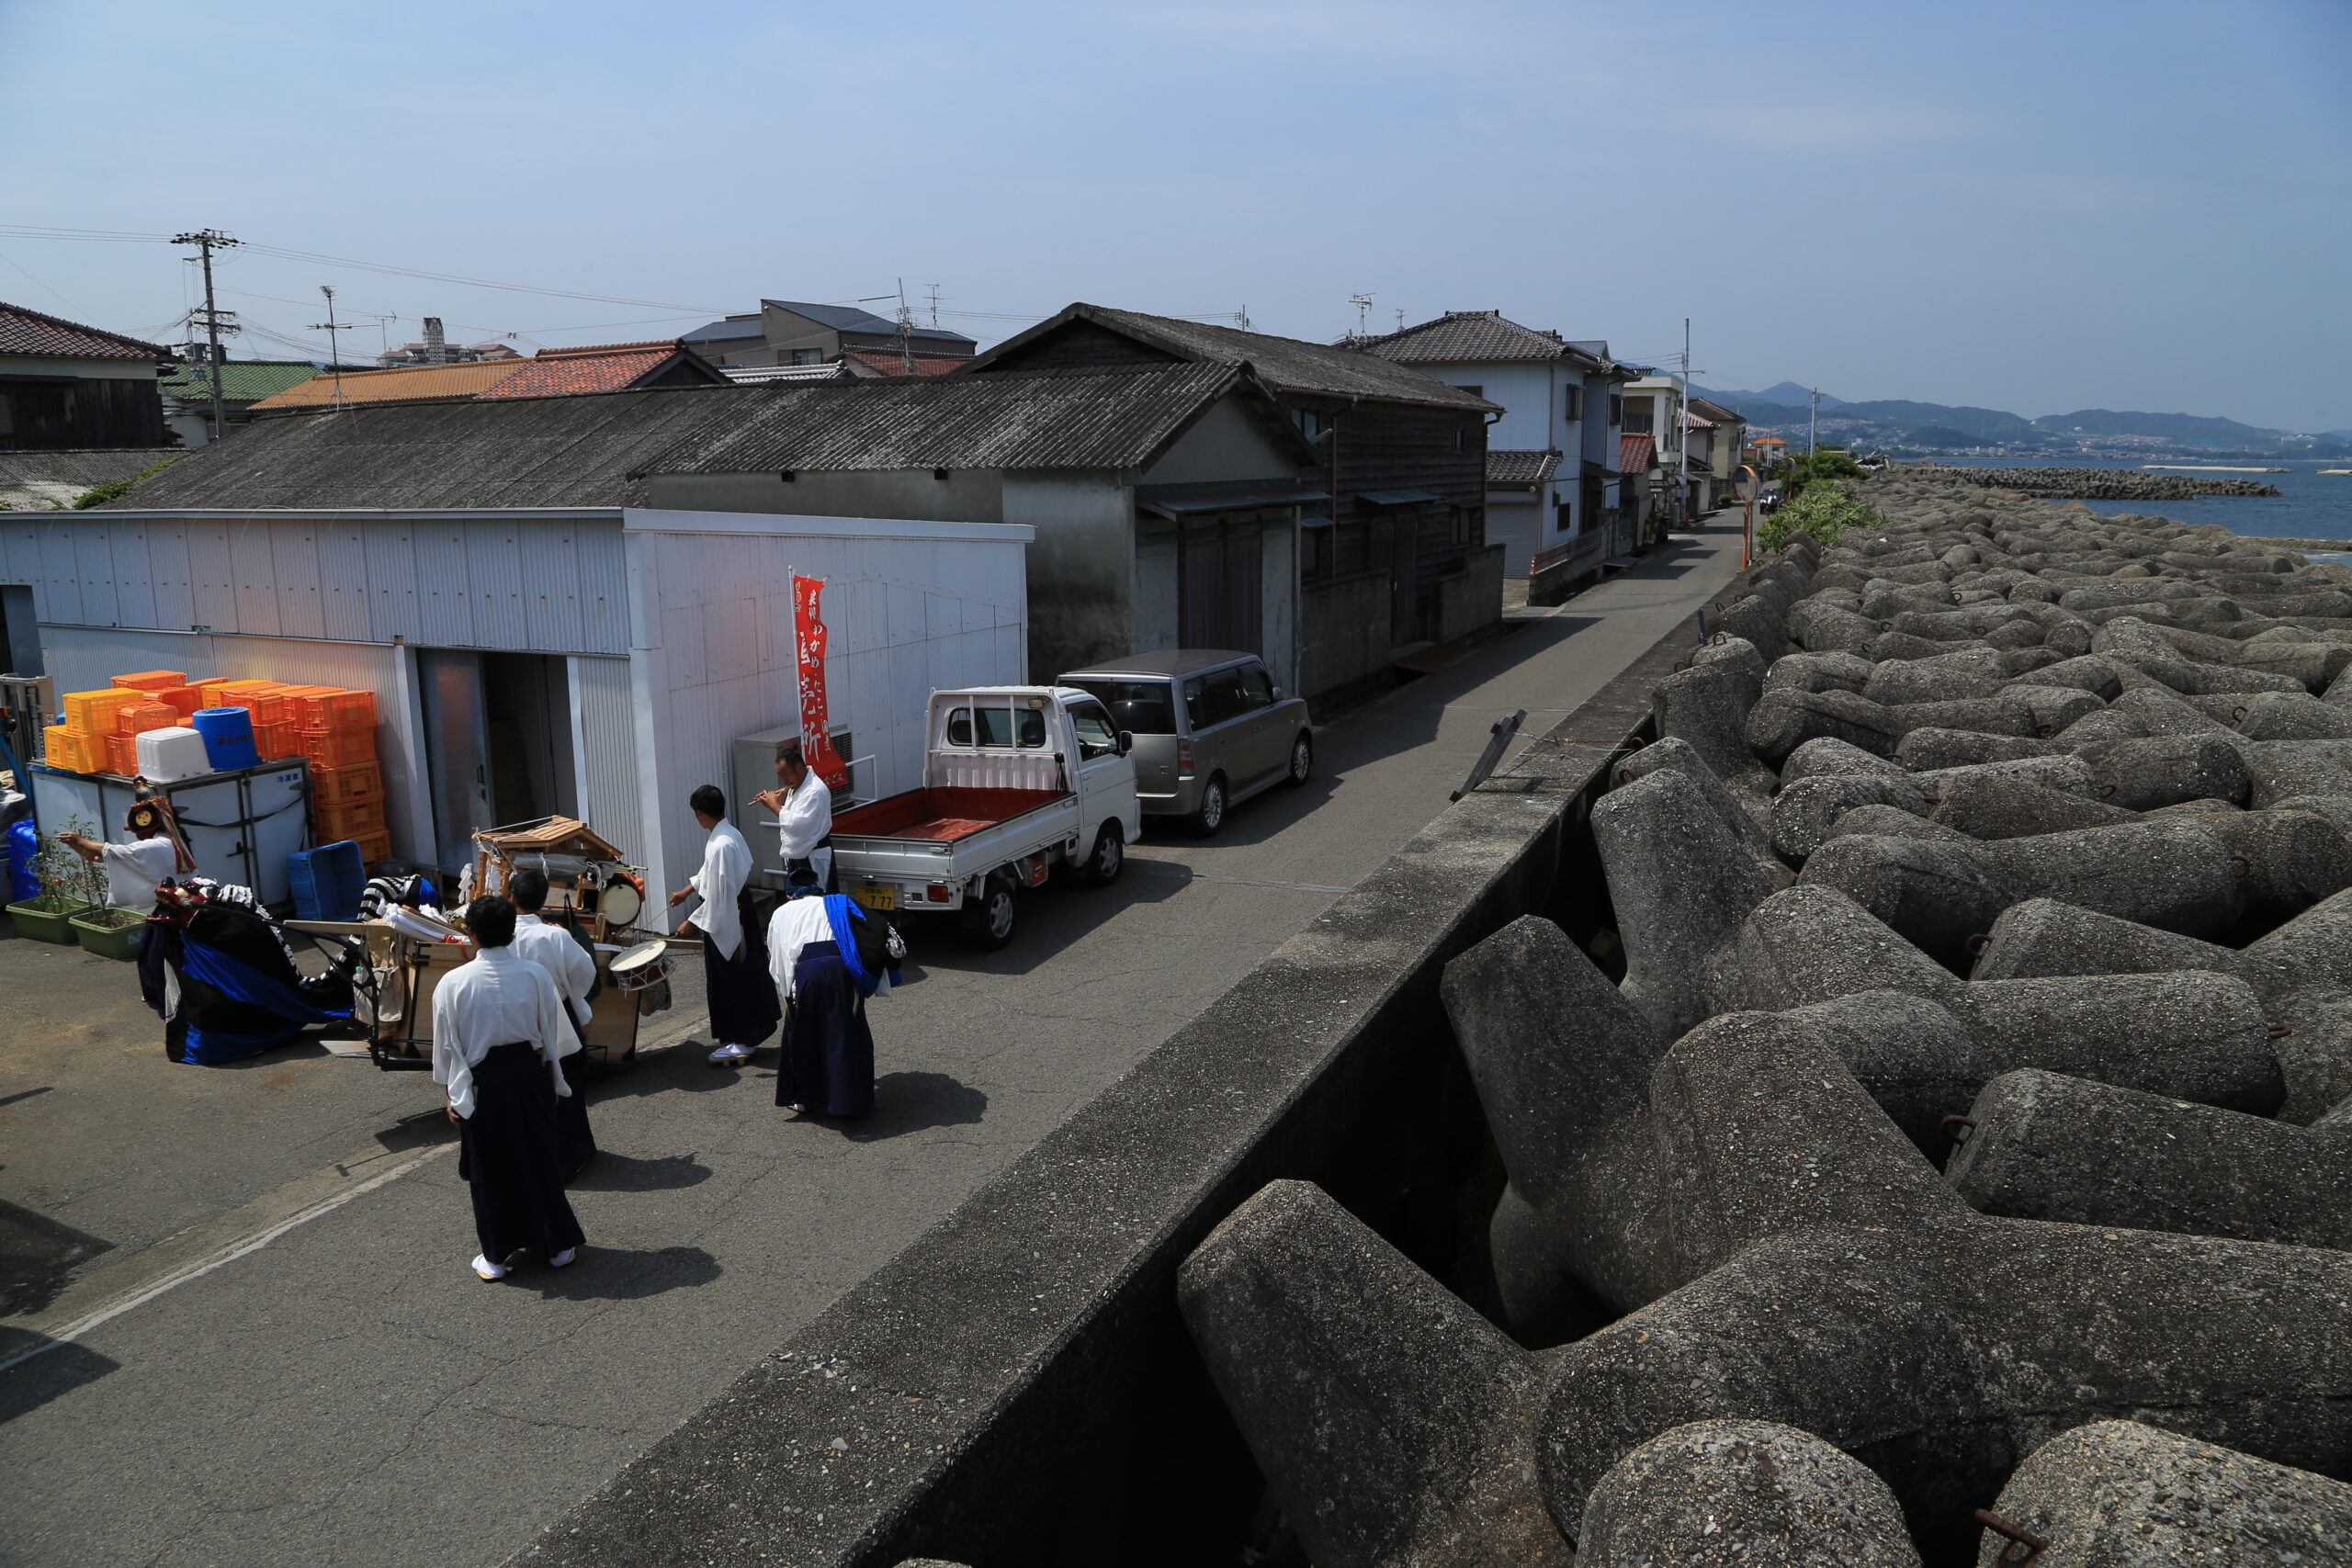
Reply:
x=1211, y=815
x=1302, y=762
x=989, y=921
x=1110, y=856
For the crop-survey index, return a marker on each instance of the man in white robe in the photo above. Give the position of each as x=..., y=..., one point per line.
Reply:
x=498, y=1030
x=567, y=964
x=132, y=869
x=742, y=999
x=803, y=805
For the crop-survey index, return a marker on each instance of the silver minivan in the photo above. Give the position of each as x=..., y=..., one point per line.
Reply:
x=1210, y=728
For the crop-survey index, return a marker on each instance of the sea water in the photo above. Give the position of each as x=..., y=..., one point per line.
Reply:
x=2309, y=505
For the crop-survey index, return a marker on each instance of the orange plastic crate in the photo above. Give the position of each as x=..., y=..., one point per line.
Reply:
x=61, y=748
x=185, y=699
x=122, y=755
x=335, y=709
x=152, y=680
x=137, y=718
x=276, y=743
x=375, y=849
x=266, y=700
x=334, y=747
x=92, y=712
x=349, y=820
x=350, y=781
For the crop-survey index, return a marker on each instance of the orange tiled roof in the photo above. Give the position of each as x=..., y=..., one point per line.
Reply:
x=30, y=332
x=558, y=371
x=406, y=383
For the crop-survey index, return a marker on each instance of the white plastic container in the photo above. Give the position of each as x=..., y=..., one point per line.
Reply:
x=165, y=755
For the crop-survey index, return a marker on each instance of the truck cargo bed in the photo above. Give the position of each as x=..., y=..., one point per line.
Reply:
x=941, y=814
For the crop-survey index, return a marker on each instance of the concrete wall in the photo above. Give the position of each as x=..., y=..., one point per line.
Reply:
x=1471, y=598
x=1278, y=594
x=1154, y=623
x=1343, y=631
x=1017, y=1386
x=1081, y=566
x=1229, y=442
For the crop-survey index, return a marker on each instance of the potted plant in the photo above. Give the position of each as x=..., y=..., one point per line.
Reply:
x=67, y=883
x=101, y=929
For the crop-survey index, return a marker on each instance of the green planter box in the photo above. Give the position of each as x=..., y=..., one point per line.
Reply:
x=45, y=924
x=109, y=941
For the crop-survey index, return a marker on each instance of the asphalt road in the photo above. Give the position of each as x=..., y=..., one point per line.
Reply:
x=243, y=1326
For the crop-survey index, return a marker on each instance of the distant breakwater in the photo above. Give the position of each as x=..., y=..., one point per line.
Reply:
x=2094, y=484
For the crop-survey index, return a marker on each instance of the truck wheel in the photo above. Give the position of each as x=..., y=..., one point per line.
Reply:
x=1302, y=762
x=1205, y=821
x=1110, y=856
x=989, y=919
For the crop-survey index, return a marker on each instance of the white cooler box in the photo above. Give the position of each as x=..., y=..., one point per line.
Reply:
x=165, y=755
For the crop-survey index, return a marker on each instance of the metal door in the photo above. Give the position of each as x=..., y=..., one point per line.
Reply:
x=457, y=748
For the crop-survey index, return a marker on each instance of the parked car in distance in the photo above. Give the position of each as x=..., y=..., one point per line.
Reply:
x=1211, y=728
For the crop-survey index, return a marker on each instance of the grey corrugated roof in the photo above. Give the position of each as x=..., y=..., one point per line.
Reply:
x=29, y=480
x=1288, y=365
x=1115, y=418
x=573, y=451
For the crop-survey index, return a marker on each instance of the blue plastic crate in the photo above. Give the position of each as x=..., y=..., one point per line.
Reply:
x=327, y=881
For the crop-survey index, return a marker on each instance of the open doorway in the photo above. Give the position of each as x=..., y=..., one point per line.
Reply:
x=497, y=742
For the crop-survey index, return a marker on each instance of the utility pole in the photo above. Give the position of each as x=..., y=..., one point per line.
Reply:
x=335, y=345
x=216, y=320
x=1812, y=422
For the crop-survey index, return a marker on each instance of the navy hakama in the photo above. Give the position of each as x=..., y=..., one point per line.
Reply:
x=511, y=1153
x=828, y=1064
x=572, y=1113
x=741, y=997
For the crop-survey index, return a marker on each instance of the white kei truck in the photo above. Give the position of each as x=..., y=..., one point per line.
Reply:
x=1017, y=780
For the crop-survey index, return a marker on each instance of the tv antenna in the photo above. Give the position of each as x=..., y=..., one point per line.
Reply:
x=934, y=303
x=1362, y=302
x=335, y=345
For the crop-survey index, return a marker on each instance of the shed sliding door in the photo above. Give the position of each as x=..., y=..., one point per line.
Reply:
x=1220, y=599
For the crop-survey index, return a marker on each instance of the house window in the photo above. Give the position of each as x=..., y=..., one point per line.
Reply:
x=1616, y=409
x=1572, y=407
x=1639, y=418
x=1309, y=422
x=807, y=357
x=1314, y=552
x=1457, y=440
x=1461, y=525
x=1564, y=516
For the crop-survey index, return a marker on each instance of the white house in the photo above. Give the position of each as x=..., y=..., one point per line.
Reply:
x=1654, y=407
x=1552, y=456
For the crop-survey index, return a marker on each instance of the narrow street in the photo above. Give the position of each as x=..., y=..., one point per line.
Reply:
x=278, y=1354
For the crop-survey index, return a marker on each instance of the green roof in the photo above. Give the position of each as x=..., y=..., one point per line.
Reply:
x=242, y=380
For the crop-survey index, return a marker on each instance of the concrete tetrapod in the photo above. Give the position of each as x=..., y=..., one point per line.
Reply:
x=2045, y=1146
x=2123, y=1495
x=1742, y=1495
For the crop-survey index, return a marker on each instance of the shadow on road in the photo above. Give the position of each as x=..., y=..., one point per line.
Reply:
x=621, y=1274
x=609, y=1172
x=29, y=1385
x=909, y=1102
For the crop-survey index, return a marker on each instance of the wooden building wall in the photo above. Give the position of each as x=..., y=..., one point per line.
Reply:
x=49, y=415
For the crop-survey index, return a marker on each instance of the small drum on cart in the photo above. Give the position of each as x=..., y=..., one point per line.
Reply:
x=620, y=904
x=642, y=974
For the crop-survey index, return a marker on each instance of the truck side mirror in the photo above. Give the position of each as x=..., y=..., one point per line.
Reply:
x=1278, y=694
x=1127, y=742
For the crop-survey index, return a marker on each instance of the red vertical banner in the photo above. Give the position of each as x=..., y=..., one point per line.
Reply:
x=816, y=726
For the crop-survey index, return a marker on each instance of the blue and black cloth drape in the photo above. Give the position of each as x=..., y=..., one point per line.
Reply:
x=239, y=991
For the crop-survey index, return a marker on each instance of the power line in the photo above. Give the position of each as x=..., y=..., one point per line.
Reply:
x=216, y=320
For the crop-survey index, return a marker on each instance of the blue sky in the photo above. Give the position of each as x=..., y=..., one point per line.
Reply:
x=2033, y=206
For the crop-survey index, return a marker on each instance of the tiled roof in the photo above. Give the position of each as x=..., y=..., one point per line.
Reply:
x=1633, y=453
x=29, y=332
x=1115, y=418
x=891, y=362
x=242, y=380
x=850, y=319
x=1507, y=466
x=1468, y=336
x=749, y=375
x=1286, y=364
x=405, y=383
x=728, y=331
x=555, y=375
x=1715, y=412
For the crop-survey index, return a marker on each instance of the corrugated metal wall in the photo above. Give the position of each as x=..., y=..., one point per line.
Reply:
x=518, y=584
x=604, y=743
x=904, y=616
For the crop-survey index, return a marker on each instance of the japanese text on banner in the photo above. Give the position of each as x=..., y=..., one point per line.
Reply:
x=816, y=725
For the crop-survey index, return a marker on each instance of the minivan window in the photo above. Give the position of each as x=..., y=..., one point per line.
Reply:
x=1092, y=726
x=1139, y=708
x=1224, y=698
x=1196, y=705
x=996, y=727
x=1256, y=686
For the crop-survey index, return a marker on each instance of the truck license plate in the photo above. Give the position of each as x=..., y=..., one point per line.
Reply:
x=875, y=894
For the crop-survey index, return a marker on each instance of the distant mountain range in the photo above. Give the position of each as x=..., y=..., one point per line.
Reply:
x=1894, y=421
